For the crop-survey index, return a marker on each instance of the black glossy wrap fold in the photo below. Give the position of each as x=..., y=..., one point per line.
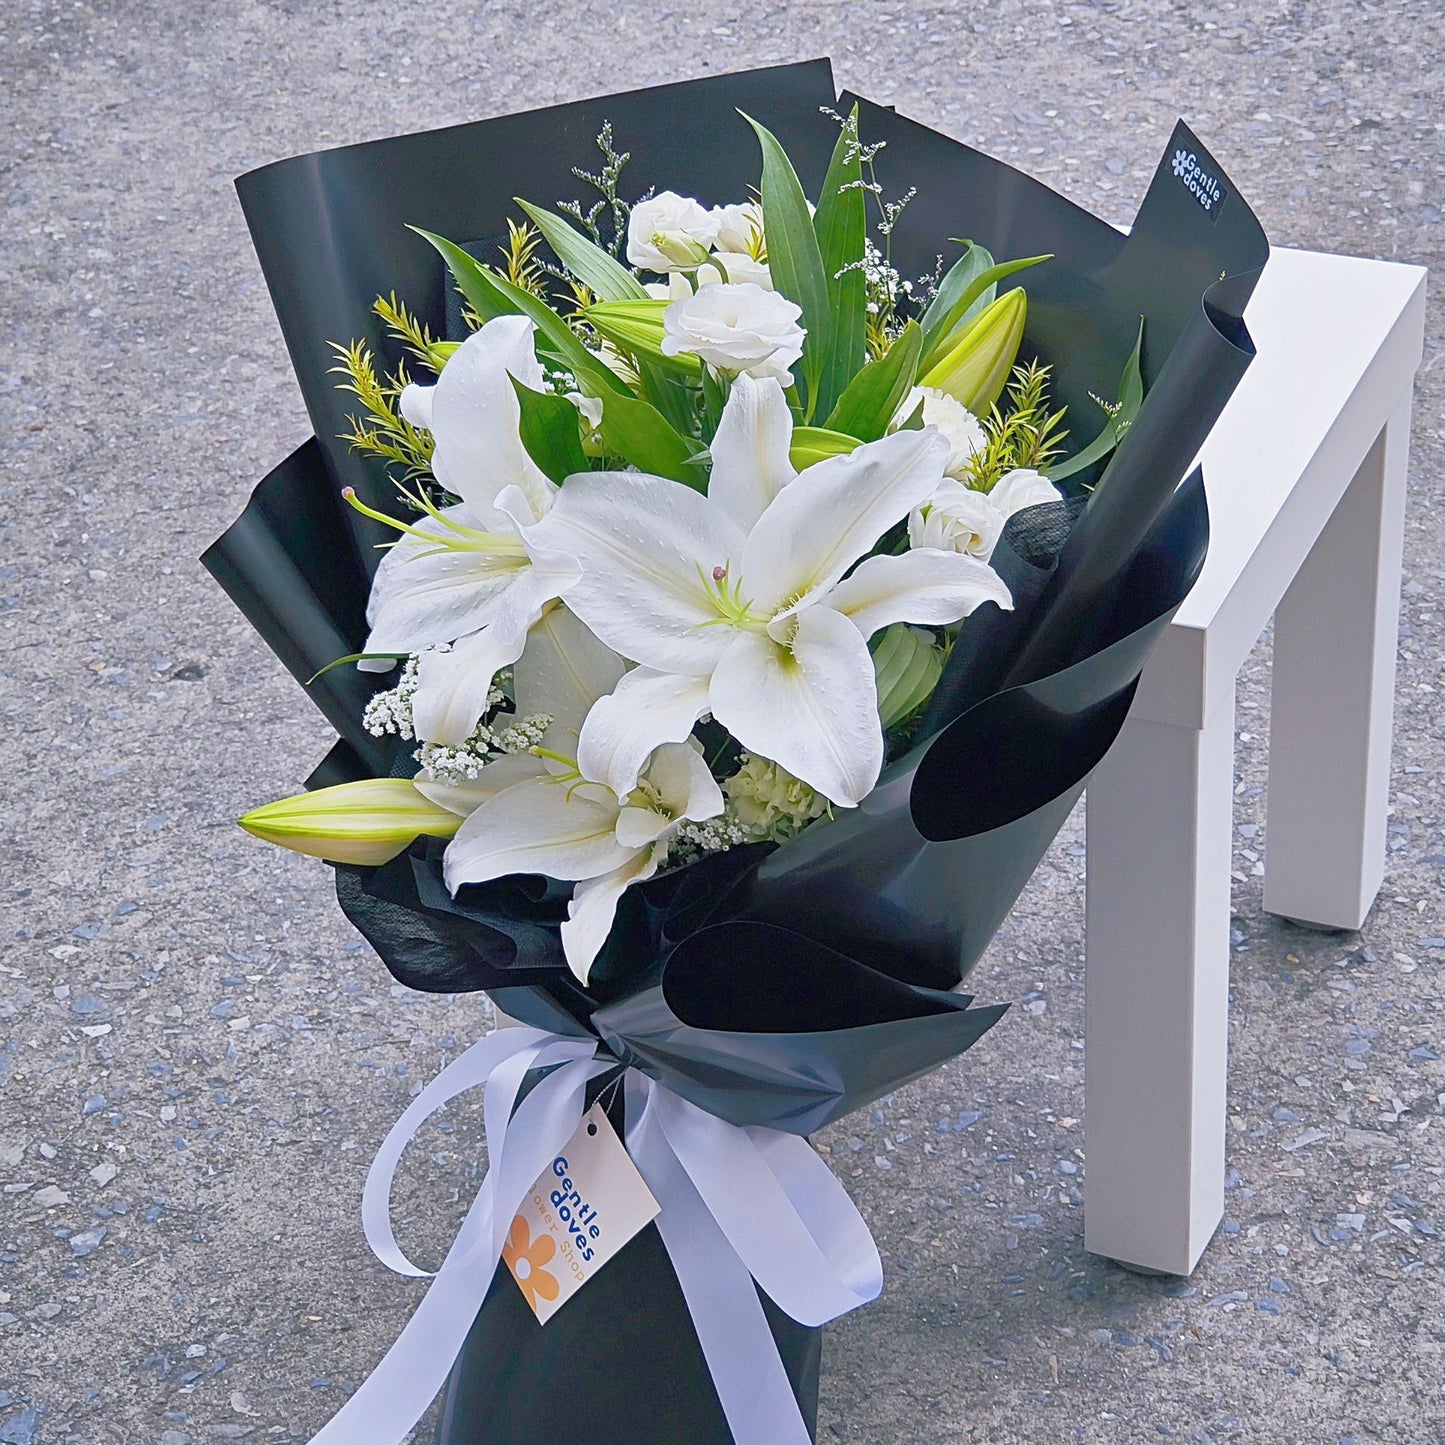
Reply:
x=782, y=986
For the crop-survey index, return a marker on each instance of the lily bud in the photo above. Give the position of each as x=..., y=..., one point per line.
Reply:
x=816, y=444
x=636, y=327
x=367, y=822
x=680, y=248
x=906, y=666
x=976, y=366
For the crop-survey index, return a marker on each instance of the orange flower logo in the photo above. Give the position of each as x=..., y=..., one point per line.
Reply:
x=527, y=1258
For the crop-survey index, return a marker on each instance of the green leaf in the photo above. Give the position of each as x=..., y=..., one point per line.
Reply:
x=978, y=294
x=1131, y=397
x=471, y=277
x=973, y=261
x=549, y=431
x=491, y=294
x=355, y=657
x=636, y=431
x=794, y=260
x=590, y=264
x=815, y=444
x=841, y=226
x=669, y=393
x=875, y=394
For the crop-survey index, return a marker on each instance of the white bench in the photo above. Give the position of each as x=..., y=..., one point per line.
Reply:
x=1305, y=473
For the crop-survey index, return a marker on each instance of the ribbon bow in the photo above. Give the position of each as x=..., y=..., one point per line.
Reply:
x=738, y=1204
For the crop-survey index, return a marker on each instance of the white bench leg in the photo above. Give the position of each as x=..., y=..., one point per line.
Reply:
x=1156, y=984
x=1332, y=707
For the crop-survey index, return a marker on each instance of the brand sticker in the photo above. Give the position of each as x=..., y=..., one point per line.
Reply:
x=585, y=1206
x=1203, y=186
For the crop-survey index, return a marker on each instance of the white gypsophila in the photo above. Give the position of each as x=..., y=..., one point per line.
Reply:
x=669, y=232
x=737, y=329
x=389, y=712
x=746, y=604
x=522, y=735
x=965, y=433
x=739, y=228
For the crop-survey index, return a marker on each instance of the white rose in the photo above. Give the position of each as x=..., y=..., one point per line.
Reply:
x=956, y=519
x=1022, y=488
x=736, y=328
x=740, y=267
x=963, y=430
x=669, y=232
x=739, y=228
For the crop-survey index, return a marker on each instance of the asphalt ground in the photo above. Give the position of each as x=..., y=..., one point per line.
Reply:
x=197, y=1055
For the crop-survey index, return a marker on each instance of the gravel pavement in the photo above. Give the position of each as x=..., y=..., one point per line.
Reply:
x=198, y=1056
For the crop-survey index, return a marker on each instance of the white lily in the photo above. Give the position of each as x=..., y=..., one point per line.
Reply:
x=736, y=603
x=464, y=574
x=537, y=813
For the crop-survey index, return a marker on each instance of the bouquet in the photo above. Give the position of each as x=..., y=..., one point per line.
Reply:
x=722, y=584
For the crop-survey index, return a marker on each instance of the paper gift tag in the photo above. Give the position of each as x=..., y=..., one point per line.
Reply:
x=585, y=1206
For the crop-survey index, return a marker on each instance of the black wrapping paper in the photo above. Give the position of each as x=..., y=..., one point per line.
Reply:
x=779, y=986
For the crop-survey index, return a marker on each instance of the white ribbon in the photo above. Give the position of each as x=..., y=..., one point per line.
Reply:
x=737, y=1205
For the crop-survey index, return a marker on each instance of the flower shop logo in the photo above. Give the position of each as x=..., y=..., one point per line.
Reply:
x=1205, y=188
x=527, y=1258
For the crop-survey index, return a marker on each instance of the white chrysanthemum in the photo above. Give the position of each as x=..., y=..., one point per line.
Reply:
x=769, y=802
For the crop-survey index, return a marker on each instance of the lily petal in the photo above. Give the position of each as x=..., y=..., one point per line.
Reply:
x=424, y=594
x=925, y=585
x=594, y=906
x=750, y=463
x=812, y=707
x=537, y=827
x=811, y=534
x=563, y=671
x=641, y=827
x=646, y=546
x=684, y=782
x=645, y=710
x=475, y=416
x=464, y=798
x=452, y=687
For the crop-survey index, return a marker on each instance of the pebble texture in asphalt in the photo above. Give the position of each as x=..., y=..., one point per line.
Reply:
x=197, y=1056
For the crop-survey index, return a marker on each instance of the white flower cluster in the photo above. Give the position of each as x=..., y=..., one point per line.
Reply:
x=522, y=735
x=712, y=835
x=769, y=802
x=390, y=711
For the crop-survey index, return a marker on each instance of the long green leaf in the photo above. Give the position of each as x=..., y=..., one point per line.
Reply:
x=472, y=278
x=974, y=261
x=841, y=226
x=978, y=294
x=636, y=431
x=498, y=297
x=875, y=394
x=1131, y=397
x=590, y=264
x=549, y=431
x=794, y=260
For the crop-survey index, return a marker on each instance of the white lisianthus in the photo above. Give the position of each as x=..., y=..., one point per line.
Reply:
x=739, y=228
x=965, y=434
x=738, y=266
x=958, y=519
x=669, y=233
x=736, y=328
